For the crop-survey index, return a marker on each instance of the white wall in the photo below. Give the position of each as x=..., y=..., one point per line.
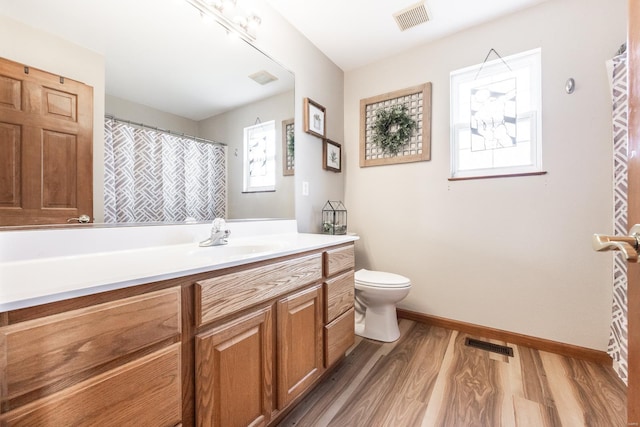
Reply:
x=507, y=253
x=35, y=48
x=228, y=128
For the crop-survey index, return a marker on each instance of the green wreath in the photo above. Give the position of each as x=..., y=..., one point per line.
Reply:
x=392, y=128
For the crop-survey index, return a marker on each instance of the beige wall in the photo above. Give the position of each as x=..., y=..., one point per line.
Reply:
x=125, y=109
x=24, y=44
x=507, y=253
x=321, y=80
x=228, y=128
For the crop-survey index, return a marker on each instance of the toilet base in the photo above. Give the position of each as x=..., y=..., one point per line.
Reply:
x=378, y=323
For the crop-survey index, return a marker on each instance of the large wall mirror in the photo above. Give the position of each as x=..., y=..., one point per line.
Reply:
x=168, y=68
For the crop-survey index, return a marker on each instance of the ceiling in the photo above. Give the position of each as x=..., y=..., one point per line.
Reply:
x=192, y=70
x=158, y=53
x=353, y=33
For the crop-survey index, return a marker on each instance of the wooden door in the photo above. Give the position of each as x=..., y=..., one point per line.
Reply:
x=300, y=325
x=46, y=152
x=633, y=290
x=234, y=372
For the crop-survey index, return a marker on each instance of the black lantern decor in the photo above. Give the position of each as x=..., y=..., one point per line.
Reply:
x=334, y=218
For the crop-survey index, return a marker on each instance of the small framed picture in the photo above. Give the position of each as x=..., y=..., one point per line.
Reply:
x=314, y=118
x=331, y=156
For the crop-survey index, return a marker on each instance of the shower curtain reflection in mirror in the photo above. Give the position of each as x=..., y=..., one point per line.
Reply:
x=156, y=176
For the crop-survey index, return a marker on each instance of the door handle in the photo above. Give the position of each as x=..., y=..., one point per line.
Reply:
x=82, y=219
x=628, y=245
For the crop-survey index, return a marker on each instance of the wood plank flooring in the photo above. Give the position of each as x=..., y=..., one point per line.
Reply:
x=429, y=378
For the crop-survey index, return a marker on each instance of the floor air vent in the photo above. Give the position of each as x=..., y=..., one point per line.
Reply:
x=495, y=348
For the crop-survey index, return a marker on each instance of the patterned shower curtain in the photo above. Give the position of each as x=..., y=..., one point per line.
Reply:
x=617, y=348
x=153, y=176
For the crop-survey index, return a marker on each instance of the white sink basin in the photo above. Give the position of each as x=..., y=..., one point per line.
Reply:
x=69, y=267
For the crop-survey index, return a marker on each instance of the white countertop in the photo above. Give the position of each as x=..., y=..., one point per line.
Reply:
x=45, y=278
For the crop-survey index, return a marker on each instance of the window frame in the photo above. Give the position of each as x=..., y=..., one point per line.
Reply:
x=269, y=130
x=489, y=72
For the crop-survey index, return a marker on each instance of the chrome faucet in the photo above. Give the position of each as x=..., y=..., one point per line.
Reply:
x=219, y=234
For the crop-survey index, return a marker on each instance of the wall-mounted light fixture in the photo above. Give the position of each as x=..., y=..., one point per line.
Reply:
x=228, y=14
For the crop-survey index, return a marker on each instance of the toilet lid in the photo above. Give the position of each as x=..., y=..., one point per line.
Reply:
x=381, y=279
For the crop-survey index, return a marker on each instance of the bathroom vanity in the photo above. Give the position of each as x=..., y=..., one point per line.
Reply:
x=229, y=338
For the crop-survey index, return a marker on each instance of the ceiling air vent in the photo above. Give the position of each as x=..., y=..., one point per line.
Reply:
x=263, y=77
x=411, y=16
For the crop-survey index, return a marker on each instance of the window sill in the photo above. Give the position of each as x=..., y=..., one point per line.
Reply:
x=508, y=175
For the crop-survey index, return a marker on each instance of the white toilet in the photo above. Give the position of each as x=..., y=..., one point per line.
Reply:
x=377, y=294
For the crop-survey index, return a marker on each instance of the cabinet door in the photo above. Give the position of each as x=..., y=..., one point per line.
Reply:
x=299, y=343
x=234, y=372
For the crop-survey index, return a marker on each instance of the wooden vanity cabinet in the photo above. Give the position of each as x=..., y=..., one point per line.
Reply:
x=234, y=347
x=288, y=321
x=249, y=365
x=235, y=361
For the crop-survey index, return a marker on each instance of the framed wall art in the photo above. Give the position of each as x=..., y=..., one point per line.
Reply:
x=288, y=147
x=396, y=127
x=331, y=156
x=314, y=118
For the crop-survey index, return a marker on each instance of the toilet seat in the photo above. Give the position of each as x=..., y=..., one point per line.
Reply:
x=380, y=279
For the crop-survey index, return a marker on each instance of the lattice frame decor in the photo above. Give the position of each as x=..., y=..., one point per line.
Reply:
x=417, y=99
x=288, y=153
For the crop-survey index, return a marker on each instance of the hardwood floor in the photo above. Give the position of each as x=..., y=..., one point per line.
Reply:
x=429, y=377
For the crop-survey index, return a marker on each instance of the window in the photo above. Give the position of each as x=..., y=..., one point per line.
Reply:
x=260, y=157
x=495, y=117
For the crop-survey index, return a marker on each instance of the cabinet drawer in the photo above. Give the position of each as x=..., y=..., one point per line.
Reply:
x=145, y=392
x=339, y=335
x=42, y=351
x=224, y=295
x=338, y=293
x=340, y=259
